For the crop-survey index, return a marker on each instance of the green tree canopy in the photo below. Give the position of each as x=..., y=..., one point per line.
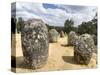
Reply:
x=89, y=27
x=20, y=22
x=68, y=25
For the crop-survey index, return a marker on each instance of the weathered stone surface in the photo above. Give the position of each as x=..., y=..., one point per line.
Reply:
x=72, y=38
x=34, y=37
x=95, y=39
x=83, y=49
x=88, y=39
x=58, y=35
x=53, y=35
x=62, y=34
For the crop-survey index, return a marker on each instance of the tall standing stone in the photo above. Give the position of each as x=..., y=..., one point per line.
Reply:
x=34, y=37
x=65, y=34
x=62, y=34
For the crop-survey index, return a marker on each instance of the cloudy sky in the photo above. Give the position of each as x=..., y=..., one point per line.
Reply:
x=54, y=14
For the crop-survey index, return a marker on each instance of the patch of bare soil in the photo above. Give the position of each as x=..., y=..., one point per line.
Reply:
x=60, y=57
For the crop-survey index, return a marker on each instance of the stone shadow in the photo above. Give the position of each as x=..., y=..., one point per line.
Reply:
x=69, y=59
x=65, y=45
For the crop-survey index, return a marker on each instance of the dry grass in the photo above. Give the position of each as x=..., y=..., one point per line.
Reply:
x=60, y=57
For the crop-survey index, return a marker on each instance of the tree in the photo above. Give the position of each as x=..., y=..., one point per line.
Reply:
x=19, y=24
x=85, y=27
x=94, y=22
x=89, y=27
x=68, y=26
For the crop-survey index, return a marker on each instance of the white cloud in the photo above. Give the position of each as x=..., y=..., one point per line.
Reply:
x=55, y=16
x=28, y=10
x=26, y=15
x=56, y=12
x=79, y=13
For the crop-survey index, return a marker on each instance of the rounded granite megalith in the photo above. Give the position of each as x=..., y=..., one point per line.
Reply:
x=72, y=38
x=83, y=49
x=34, y=38
x=53, y=35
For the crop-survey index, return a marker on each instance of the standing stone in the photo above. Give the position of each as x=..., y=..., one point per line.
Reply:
x=34, y=37
x=53, y=35
x=94, y=38
x=72, y=38
x=58, y=35
x=65, y=34
x=83, y=49
x=62, y=34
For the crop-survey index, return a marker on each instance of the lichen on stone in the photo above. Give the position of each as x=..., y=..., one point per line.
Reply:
x=34, y=37
x=83, y=49
x=72, y=38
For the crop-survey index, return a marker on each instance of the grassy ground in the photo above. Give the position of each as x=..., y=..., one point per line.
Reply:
x=60, y=57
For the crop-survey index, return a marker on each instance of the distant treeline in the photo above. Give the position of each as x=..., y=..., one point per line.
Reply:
x=89, y=27
x=58, y=28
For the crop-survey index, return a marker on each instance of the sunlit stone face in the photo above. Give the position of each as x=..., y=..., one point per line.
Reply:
x=35, y=43
x=84, y=49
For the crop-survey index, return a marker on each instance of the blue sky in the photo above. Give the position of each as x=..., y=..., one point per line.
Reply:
x=54, y=14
